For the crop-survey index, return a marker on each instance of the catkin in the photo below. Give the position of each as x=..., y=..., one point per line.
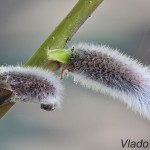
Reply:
x=30, y=84
x=104, y=69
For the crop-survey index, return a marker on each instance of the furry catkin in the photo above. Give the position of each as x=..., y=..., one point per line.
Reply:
x=30, y=84
x=107, y=70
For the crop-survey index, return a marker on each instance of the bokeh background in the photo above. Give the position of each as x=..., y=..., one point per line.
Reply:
x=88, y=120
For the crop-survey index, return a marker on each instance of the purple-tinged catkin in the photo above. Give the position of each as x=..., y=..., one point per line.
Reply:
x=30, y=84
x=104, y=69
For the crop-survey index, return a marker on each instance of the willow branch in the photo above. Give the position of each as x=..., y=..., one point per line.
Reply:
x=59, y=37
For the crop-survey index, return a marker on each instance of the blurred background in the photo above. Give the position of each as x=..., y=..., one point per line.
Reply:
x=88, y=120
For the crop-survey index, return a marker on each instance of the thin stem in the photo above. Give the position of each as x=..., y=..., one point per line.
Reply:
x=64, y=31
x=59, y=37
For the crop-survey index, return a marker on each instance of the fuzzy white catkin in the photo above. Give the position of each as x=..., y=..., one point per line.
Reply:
x=104, y=69
x=31, y=84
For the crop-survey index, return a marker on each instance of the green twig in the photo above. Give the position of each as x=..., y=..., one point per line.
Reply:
x=59, y=37
x=64, y=31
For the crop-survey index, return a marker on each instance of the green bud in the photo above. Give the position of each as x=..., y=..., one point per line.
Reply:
x=60, y=55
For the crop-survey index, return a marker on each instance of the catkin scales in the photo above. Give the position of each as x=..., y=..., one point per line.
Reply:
x=104, y=69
